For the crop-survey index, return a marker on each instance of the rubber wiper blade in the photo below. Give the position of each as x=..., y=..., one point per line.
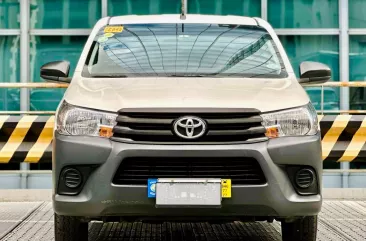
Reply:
x=109, y=76
x=186, y=76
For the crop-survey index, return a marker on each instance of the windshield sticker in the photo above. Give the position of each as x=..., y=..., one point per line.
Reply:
x=102, y=39
x=113, y=29
x=109, y=35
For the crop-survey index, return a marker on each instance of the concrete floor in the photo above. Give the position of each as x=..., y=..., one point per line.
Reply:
x=26, y=221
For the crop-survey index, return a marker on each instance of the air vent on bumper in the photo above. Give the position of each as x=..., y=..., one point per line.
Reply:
x=241, y=170
x=304, y=178
x=72, y=178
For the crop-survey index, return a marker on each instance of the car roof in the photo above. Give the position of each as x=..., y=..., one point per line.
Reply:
x=176, y=18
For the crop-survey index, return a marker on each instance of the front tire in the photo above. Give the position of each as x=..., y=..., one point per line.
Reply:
x=303, y=229
x=69, y=228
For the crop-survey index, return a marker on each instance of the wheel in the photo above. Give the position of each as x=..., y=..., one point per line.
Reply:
x=69, y=228
x=303, y=229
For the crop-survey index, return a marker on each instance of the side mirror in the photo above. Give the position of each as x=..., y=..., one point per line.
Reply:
x=56, y=71
x=314, y=73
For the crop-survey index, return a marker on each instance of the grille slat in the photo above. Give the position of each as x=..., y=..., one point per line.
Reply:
x=249, y=120
x=129, y=131
x=132, y=120
x=136, y=170
x=226, y=126
x=250, y=131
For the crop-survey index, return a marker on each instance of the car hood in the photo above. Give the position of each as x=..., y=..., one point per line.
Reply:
x=113, y=94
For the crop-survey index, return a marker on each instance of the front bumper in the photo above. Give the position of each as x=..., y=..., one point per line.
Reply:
x=99, y=197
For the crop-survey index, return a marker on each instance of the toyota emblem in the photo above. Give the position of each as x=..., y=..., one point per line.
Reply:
x=189, y=127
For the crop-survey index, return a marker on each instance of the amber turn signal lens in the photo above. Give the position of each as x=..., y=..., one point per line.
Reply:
x=105, y=131
x=272, y=132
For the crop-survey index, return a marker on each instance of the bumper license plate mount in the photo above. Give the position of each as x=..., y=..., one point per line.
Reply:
x=188, y=192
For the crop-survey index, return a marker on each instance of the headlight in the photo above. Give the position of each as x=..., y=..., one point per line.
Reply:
x=76, y=121
x=293, y=122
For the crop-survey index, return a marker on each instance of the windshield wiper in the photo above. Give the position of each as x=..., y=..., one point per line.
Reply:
x=109, y=76
x=186, y=76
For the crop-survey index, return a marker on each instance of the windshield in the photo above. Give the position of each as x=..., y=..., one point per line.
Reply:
x=183, y=50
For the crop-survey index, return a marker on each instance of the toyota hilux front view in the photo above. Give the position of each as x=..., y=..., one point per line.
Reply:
x=200, y=118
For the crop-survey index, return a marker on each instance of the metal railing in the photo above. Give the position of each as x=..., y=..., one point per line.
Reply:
x=337, y=84
x=27, y=112
x=31, y=86
x=65, y=85
x=27, y=172
x=344, y=170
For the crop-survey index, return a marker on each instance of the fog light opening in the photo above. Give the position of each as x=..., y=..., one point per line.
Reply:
x=72, y=178
x=305, y=178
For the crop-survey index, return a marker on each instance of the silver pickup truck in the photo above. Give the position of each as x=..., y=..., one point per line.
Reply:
x=200, y=118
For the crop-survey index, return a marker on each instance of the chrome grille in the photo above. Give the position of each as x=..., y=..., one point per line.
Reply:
x=156, y=126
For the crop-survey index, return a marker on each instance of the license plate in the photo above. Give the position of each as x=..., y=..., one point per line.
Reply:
x=188, y=192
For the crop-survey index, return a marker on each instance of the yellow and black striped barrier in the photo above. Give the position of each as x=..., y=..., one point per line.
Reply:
x=343, y=137
x=28, y=138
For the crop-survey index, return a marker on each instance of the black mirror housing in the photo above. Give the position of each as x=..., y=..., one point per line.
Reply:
x=56, y=71
x=314, y=73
